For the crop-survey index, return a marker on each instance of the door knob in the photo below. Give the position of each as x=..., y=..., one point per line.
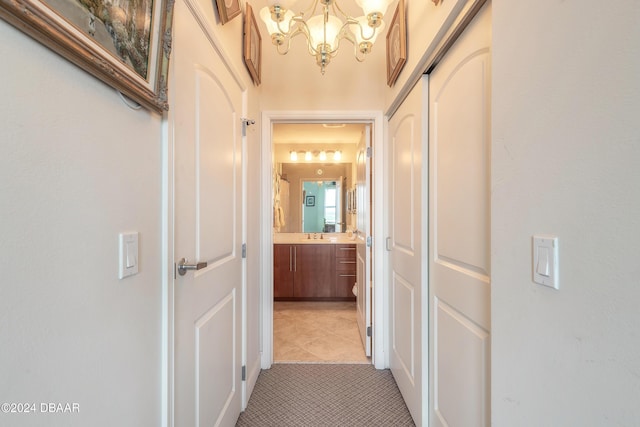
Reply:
x=183, y=266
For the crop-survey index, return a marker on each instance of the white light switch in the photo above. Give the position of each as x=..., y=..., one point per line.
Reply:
x=128, y=255
x=545, y=260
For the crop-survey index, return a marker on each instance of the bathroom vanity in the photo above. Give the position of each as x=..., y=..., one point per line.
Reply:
x=313, y=269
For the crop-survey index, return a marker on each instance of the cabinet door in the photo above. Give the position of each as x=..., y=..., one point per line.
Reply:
x=344, y=284
x=345, y=271
x=283, y=271
x=314, y=271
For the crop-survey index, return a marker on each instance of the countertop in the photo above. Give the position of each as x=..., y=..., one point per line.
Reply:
x=303, y=238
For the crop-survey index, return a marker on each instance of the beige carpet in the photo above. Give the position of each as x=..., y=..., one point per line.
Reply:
x=316, y=332
x=318, y=395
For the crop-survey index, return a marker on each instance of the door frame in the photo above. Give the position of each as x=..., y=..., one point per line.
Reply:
x=380, y=313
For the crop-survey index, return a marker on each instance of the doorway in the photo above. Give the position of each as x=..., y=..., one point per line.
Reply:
x=270, y=122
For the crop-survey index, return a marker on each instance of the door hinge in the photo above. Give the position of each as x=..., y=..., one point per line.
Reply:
x=369, y=241
x=369, y=152
x=244, y=373
x=368, y=331
x=244, y=250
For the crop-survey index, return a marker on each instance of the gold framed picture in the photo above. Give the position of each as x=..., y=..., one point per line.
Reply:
x=396, y=44
x=252, y=45
x=228, y=9
x=131, y=55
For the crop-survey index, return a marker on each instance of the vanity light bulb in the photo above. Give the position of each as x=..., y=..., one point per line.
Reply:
x=323, y=155
x=337, y=155
x=308, y=156
x=293, y=155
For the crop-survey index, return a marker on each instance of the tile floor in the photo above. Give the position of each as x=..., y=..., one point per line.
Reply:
x=316, y=332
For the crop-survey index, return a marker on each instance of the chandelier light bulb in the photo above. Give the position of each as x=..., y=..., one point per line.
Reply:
x=308, y=156
x=293, y=156
x=374, y=6
x=323, y=155
x=337, y=155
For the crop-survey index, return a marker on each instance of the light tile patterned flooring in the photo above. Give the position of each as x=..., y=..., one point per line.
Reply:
x=316, y=332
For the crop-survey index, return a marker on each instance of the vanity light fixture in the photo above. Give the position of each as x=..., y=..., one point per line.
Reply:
x=323, y=30
x=322, y=155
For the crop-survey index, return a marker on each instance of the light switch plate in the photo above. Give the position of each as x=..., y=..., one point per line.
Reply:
x=128, y=256
x=545, y=260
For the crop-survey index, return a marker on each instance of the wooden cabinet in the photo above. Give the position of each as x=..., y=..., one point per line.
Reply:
x=283, y=271
x=313, y=272
x=345, y=271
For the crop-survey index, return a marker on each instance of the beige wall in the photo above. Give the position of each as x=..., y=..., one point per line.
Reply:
x=565, y=159
x=77, y=168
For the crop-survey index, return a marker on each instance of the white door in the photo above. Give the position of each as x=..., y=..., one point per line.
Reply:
x=459, y=221
x=406, y=245
x=363, y=224
x=204, y=121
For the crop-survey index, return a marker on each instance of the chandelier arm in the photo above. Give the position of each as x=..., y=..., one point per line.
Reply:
x=365, y=38
x=288, y=46
x=310, y=10
x=337, y=9
x=356, y=51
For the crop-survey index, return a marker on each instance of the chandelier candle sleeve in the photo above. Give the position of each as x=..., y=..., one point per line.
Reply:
x=324, y=25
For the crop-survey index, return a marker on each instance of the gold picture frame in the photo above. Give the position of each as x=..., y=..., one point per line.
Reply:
x=252, y=45
x=228, y=9
x=396, y=44
x=132, y=57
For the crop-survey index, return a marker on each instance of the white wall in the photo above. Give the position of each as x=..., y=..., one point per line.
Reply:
x=566, y=148
x=77, y=167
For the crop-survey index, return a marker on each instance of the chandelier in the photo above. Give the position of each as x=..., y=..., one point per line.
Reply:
x=324, y=31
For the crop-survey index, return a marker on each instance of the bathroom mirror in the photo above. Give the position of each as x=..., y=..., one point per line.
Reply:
x=312, y=197
x=322, y=206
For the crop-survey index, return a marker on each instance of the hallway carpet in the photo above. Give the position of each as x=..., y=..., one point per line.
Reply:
x=300, y=395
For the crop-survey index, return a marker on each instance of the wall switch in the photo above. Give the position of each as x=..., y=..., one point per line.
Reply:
x=128, y=261
x=545, y=260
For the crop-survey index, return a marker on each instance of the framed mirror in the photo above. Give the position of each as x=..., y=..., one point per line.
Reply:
x=323, y=208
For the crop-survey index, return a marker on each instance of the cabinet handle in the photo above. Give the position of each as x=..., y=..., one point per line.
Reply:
x=347, y=249
x=347, y=262
x=290, y=259
x=347, y=275
x=295, y=258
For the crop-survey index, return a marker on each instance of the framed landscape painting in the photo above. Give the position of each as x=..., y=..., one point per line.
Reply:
x=124, y=43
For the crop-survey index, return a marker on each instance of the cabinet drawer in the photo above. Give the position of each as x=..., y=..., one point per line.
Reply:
x=346, y=251
x=345, y=265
